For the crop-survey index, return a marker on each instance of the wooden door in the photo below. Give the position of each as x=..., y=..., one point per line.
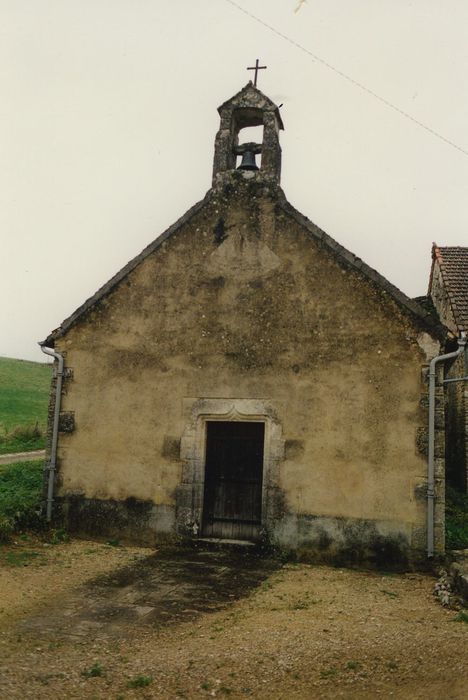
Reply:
x=233, y=480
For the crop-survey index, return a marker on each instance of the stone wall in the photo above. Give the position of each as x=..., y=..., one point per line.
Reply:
x=440, y=298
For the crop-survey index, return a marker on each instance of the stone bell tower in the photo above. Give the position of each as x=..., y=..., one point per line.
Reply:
x=250, y=107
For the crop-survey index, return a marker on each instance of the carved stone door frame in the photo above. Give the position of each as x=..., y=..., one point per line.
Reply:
x=189, y=500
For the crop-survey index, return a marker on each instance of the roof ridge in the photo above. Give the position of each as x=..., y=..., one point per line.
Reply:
x=106, y=288
x=357, y=263
x=272, y=106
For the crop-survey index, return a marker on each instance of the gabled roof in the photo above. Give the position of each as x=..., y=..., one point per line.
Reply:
x=422, y=316
x=419, y=313
x=251, y=96
x=114, y=281
x=453, y=264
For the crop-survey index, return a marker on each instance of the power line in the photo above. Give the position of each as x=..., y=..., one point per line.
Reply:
x=351, y=80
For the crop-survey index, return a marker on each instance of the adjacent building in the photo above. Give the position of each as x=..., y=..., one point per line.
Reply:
x=448, y=289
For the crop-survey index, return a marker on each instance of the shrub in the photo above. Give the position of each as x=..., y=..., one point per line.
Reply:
x=22, y=438
x=7, y=527
x=20, y=496
x=456, y=519
x=26, y=432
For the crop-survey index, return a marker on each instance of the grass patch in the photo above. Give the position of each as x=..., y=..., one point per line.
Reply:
x=353, y=665
x=21, y=558
x=58, y=536
x=456, y=519
x=303, y=603
x=328, y=673
x=139, y=681
x=24, y=399
x=94, y=671
x=20, y=496
x=391, y=594
x=462, y=616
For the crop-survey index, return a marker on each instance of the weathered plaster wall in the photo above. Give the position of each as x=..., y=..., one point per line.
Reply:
x=242, y=303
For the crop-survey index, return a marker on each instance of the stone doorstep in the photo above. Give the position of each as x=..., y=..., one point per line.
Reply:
x=233, y=543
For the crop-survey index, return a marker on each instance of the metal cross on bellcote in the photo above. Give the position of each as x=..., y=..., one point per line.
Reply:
x=256, y=68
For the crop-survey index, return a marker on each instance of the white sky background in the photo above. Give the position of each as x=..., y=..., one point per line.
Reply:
x=108, y=119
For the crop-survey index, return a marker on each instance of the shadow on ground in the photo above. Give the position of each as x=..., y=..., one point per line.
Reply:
x=170, y=586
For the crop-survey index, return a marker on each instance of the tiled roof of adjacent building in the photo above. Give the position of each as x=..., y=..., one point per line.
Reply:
x=453, y=263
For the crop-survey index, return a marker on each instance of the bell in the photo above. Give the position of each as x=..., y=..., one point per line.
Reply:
x=248, y=161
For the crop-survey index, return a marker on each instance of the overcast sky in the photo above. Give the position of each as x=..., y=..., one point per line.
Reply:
x=108, y=118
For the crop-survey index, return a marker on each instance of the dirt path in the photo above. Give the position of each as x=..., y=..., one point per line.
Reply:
x=86, y=620
x=21, y=457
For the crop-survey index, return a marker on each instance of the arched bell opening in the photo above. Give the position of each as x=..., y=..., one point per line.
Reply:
x=249, y=148
x=247, y=139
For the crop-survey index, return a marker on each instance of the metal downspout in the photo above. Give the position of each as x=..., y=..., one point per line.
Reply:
x=52, y=465
x=431, y=441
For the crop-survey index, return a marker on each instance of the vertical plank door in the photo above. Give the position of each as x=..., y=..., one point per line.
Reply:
x=233, y=479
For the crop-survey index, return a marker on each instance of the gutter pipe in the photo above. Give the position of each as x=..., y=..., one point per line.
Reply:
x=431, y=438
x=51, y=467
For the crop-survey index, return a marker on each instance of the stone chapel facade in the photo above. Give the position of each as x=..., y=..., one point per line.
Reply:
x=245, y=377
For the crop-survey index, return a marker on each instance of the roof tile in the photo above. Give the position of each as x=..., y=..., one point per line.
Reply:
x=453, y=261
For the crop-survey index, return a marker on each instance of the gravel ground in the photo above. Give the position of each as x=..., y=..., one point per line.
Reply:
x=293, y=632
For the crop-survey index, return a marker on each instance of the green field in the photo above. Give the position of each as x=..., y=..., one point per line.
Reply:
x=24, y=396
